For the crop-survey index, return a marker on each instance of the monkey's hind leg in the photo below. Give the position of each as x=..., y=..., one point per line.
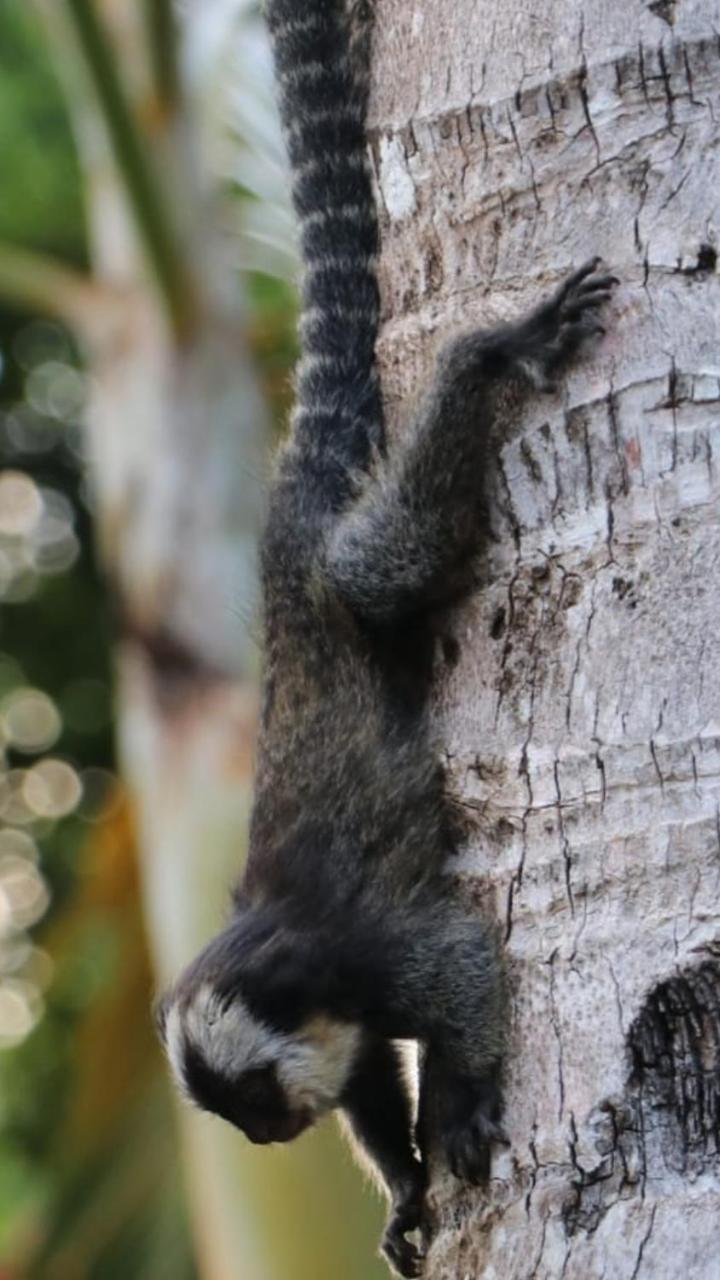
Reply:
x=401, y=544
x=377, y=1108
x=446, y=989
x=459, y=1117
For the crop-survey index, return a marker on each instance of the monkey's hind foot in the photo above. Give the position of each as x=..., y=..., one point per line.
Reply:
x=553, y=334
x=406, y=1217
x=472, y=1127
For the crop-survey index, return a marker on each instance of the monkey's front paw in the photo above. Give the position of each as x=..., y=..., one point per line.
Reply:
x=406, y=1216
x=553, y=334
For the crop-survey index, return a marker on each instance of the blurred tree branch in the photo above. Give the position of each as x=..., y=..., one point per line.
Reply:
x=150, y=209
x=162, y=40
x=37, y=282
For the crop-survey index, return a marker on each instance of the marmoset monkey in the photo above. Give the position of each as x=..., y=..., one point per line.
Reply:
x=346, y=935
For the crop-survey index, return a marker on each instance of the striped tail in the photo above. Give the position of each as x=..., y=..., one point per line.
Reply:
x=323, y=95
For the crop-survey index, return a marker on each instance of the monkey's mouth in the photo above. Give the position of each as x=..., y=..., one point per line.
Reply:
x=284, y=1130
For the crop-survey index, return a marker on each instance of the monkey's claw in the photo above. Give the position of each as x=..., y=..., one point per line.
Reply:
x=554, y=333
x=403, y=1256
x=407, y=1216
x=570, y=318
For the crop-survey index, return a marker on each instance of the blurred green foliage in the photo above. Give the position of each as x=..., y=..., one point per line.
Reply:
x=89, y=1169
x=89, y=1182
x=40, y=202
x=273, y=337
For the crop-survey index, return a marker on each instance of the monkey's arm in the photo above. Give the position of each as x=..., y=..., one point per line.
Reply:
x=418, y=514
x=378, y=1111
x=438, y=979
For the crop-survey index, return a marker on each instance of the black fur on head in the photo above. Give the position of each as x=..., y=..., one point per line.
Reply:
x=249, y=1034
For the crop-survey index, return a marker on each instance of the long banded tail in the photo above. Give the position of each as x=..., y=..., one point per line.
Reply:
x=323, y=95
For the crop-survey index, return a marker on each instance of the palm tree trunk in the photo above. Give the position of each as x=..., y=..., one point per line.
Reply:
x=581, y=698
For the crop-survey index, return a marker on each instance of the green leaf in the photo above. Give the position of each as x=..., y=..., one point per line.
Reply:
x=40, y=192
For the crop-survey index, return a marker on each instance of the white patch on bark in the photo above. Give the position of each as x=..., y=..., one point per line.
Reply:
x=396, y=185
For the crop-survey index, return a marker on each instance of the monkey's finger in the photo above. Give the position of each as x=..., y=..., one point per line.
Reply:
x=593, y=298
x=597, y=282
x=578, y=276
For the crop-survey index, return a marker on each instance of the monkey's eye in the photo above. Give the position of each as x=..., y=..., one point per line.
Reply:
x=258, y=1087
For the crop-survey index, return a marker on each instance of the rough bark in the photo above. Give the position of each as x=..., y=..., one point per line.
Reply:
x=580, y=697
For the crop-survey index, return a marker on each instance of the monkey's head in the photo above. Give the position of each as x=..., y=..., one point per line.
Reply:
x=247, y=1037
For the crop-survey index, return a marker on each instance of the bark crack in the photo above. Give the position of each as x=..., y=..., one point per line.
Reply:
x=558, y=1037
x=564, y=842
x=643, y=1244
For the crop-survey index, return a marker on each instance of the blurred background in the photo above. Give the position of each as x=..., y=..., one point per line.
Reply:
x=146, y=338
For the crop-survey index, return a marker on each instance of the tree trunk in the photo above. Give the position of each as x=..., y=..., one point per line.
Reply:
x=580, y=695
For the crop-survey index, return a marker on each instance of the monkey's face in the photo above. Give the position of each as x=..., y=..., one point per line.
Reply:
x=254, y=1102
x=269, y=1083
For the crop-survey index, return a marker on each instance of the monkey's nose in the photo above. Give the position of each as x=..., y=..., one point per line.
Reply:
x=259, y=1135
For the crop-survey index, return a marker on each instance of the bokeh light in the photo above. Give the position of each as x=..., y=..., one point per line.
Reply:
x=18, y=844
x=14, y=808
x=56, y=389
x=20, y=1009
x=21, y=505
x=37, y=540
x=29, y=432
x=29, y=720
x=55, y=545
x=23, y=894
x=15, y=953
x=37, y=535
x=51, y=788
